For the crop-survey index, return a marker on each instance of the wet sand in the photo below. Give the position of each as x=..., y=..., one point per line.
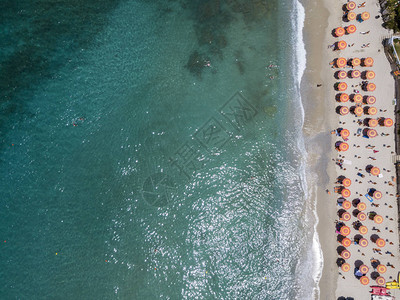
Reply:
x=318, y=120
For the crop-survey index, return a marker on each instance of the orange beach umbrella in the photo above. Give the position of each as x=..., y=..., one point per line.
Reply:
x=339, y=31
x=372, y=123
x=345, y=267
x=361, y=206
x=345, y=230
x=375, y=171
x=346, y=193
x=361, y=216
x=363, y=229
x=368, y=62
x=342, y=86
x=344, y=97
x=341, y=45
x=371, y=100
x=342, y=74
x=372, y=110
x=363, y=269
x=355, y=62
x=380, y=281
x=351, y=16
x=351, y=5
x=343, y=147
x=365, y=15
x=364, y=280
x=345, y=254
x=345, y=133
x=346, y=205
x=388, y=122
x=344, y=110
x=351, y=29
x=371, y=87
x=372, y=133
x=358, y=111
x=363, y=242
x=347, y=181
x=378, y=219
x=346, y=242
x=377, y=195
x=341, y=62
x=358, y=98
x=380, y=242
x=370, y=75
x=381, y=269
x=346, y=216
x=355, y=74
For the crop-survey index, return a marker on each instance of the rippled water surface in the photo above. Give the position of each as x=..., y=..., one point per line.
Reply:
x=152, y=149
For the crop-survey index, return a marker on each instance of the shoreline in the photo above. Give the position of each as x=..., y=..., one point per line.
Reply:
x=317, y=112
x=302, y=60
x=320, y=118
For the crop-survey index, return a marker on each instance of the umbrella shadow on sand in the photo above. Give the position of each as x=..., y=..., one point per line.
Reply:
x=358, y=263
x=340, y=261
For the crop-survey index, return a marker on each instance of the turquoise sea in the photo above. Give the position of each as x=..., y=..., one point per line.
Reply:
x=153, y=150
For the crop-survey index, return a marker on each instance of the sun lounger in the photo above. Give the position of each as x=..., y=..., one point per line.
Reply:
x=378, y=290
x=370, y=199
x=378, y=297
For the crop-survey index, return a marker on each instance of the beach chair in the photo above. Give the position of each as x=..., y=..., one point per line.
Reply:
x=369, y=198
x=392, y=285
x=380, y=291
x=381, y=297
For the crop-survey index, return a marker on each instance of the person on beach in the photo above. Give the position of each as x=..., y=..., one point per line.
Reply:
x=375, y=263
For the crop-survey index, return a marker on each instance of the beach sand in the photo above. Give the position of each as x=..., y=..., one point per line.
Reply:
x=319, y=102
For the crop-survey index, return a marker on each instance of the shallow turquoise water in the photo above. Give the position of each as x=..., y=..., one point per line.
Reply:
x=150, y=149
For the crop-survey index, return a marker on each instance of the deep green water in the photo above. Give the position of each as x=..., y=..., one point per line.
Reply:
x=149, y=150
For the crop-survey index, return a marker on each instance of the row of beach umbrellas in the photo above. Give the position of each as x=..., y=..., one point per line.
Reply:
x=357, y=98
x=340, y=31
x=368, y=75
x=341, y=62
x=368, y=87
x=357, y=110
x=351, y=15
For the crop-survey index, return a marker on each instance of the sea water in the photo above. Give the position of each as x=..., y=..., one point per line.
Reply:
x=153, y=150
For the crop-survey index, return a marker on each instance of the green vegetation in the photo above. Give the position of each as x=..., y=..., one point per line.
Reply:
x=396, y=44
x=393, y=15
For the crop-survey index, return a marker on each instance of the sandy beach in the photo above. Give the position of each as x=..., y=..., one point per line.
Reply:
x=322, y=18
